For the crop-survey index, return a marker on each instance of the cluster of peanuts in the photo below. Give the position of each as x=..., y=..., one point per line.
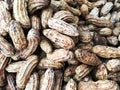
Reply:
x=59, y=45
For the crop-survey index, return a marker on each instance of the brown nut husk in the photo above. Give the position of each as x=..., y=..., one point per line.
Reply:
x=87, y=57
x=113, y=65
x=34, y=5
x=24, y=73
x=101, y=72
x=106, y=51
x=99, y=85
x=59, y=39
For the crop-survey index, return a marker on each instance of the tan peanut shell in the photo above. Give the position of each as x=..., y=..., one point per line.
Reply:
x=70, y=2
x=24, y=73
x=59, y=39
x=101, y=72
x=46, y=63
x=46, y=46
x=99, y=3
x=34, y=5
x=106, y=51
x=5, y=17
x=98, y=21
x=33, y=39
x=112, y=40
x=85, y=36
x=113, y=65
x=63, y=5
x=73, y=62
x=84, y=9
x=45, y=15
x=81, y=71
x=64, y=55
x=106, y=17
x=64, y=15
x=71, y=85
x=6, y=48
x=99, y=85
x=17, y=35
x=14, y=67
x=87, y=57
x=86, y=46
x=3, y=32
x=114, y=76
x=90, y=27
x=116, y=31
x=105, y=31
x=20, y=12
x=89, y=4
x=35, y=22
x=62, y=27
x=33, y=82
x=47, y=80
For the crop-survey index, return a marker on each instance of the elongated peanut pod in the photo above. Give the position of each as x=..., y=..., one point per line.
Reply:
x=25, y=71
x=33, y=38
x=64, y=15
x=33, y=82
x=106, y=51
x=46, y=14
x=5, y=18
x=6, y=48
x=59, y=39
x=64, y=55
x=47, y=80
x=98, y=85
x=63, y=27
x=20, y=12
x=33, y=41
x=87, y=57
x=17, y=35
x=98, y=21
x=14, y=67
x=46, y=63
x=81, y=71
